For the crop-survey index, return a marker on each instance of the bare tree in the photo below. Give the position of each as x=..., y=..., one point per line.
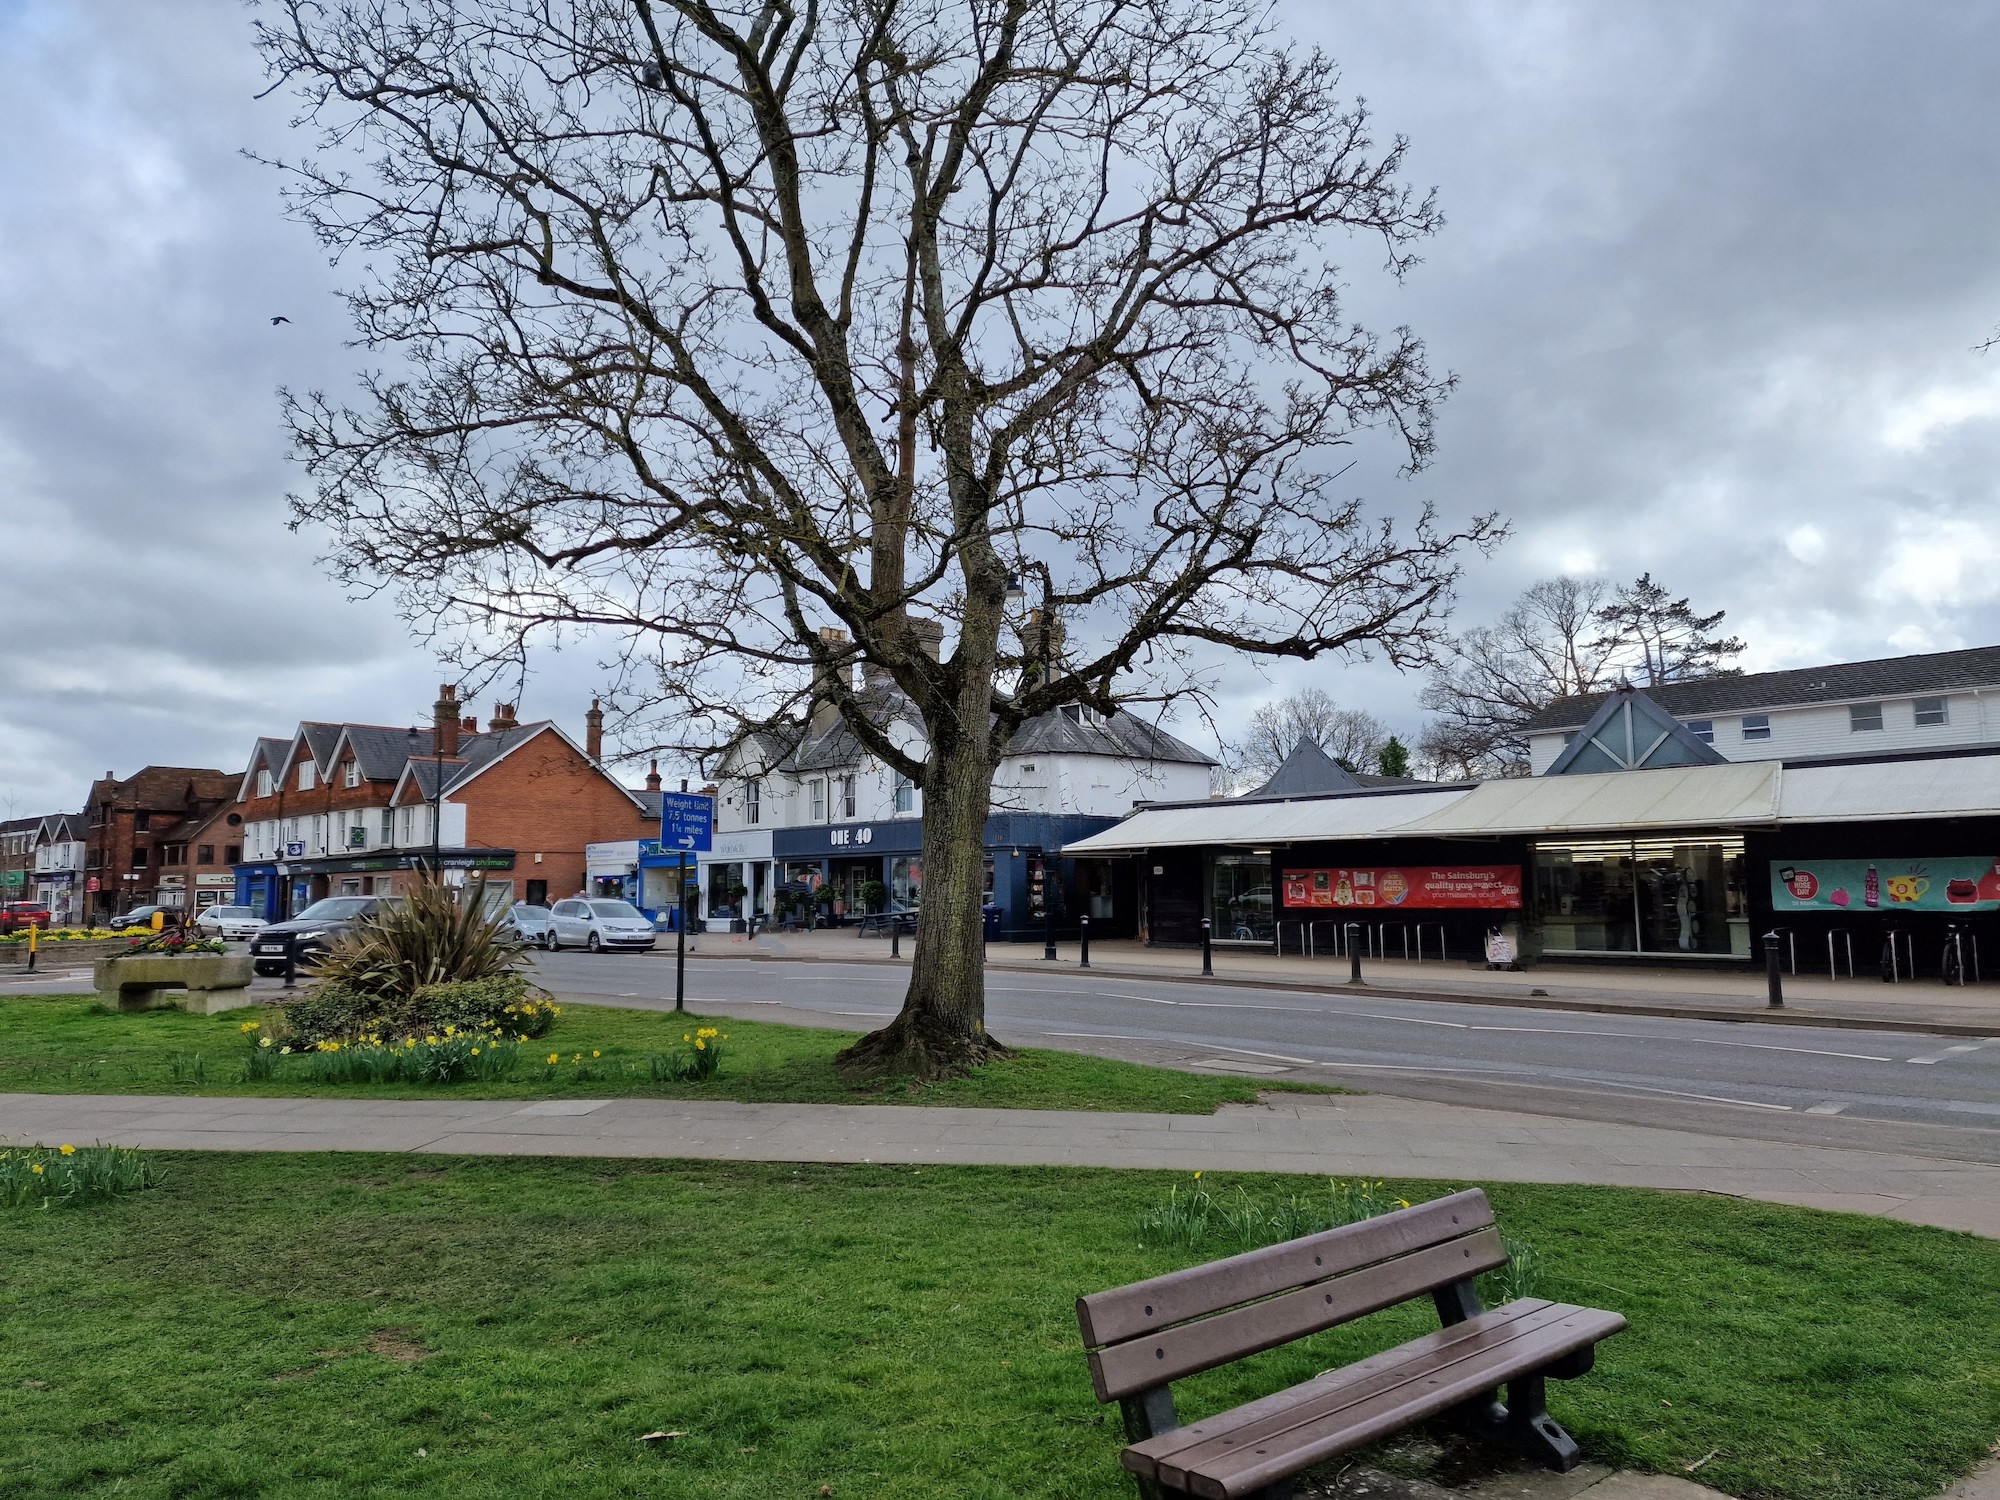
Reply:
x=1350, y=736
x=767, y=334
x=1548, y=645
x=1659, y=638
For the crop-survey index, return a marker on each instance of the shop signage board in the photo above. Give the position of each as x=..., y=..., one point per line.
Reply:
x=1405, y=886
x=687, y=822
x=1955, y=883
x=9, y=879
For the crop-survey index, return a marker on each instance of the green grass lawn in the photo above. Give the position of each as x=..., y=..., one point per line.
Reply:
x=66, y=1045
x=344, y=1325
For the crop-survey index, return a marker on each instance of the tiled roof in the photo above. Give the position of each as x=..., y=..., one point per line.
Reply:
x=1124, y=735
x=1841, y=682
x=381, y=749
x=1308, y=771
x=321, y=737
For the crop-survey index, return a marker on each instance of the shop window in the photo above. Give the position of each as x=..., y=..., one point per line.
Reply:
x=1666, y=895
x=1702, y=729
x=1756, y=726
x=906, y=794
x=906, y=880
x=1239, y=898
x=724, y=883
x=1932, y=712
x=987, y=888
x=1863, y=717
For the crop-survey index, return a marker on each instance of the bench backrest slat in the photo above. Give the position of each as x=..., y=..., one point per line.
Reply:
x=1189, y=1348
x=1148, y=1306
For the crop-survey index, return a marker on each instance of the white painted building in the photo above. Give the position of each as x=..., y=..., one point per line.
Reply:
x=1942, y=701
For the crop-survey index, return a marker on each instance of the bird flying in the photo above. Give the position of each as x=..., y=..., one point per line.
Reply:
x=280, y=319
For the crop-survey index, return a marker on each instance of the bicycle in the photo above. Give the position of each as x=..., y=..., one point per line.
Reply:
x=1952, y=964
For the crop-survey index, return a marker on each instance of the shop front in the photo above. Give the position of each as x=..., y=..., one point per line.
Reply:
x=287, y=887
x=735, y=880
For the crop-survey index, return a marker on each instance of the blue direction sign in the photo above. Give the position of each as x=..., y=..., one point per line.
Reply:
x=687, y=822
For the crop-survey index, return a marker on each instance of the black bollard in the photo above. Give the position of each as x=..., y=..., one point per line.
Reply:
x=1772, y=977
x=1083, y=945
x=1207, y=951
x=1354, y=953
x=291, y=964
x=1049, y=919
x=895, y=939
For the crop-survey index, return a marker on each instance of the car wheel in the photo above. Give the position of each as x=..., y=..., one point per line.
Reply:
x=548, y=940
x=593, y=944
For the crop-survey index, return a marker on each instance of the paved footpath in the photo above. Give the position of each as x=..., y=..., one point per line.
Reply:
x=1340, y=1135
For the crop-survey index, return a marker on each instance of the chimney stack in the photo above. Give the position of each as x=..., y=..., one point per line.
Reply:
x=929, y=635
x=653, y=777
x=469, y=724
x=593, y=732
x=503, y=717
x=444, y=719
x=824, y=714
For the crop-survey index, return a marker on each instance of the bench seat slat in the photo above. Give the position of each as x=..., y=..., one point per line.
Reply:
x=1130, y=1311
x=1171, y=1353
x=1352, y=1407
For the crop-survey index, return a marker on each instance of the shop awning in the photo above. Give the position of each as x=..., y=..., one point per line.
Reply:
x=1961, y=786
x=1725, y=796
x=1266, y=824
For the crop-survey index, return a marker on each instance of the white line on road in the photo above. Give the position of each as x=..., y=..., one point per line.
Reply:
x=1946, y=1052
x=1706, y=1041
x=1553, y=1081
x=1304, y=1062
x=1828, y=1108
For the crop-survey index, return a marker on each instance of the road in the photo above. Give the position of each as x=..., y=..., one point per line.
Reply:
x=1890, y=1091
x=1901, y=1091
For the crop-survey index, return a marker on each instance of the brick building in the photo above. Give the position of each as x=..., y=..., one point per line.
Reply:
x=17, y=858
x=363, y=809
x=198, y=861
x=128, y=825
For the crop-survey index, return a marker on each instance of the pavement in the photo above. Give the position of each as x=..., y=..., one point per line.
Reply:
x=1811, y=997
x=1331, y=1135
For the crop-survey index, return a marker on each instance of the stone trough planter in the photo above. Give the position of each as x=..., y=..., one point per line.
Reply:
x=212, y=982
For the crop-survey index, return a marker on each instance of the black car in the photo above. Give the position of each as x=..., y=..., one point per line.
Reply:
x=309, y=934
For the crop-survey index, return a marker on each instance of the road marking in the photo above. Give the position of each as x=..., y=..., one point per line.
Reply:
x=1101, y=1036
x=1706, y=1041
x=1828, y=1108
x=1946, y=1052
x=1369, y=1015
x=1550, y=1081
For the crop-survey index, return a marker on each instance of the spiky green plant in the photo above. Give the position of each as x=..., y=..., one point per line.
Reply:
x=434, y=936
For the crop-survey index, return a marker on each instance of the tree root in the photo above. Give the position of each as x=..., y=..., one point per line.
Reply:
x=918, y=1046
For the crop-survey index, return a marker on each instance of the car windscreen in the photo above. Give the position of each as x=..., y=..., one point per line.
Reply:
x=623, y=909
x=334, y=909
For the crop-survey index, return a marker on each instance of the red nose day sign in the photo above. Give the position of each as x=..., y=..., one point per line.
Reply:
x=1960, y=883
x=1405, y=886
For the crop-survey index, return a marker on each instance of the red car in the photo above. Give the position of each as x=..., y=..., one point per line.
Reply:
x=18, y=914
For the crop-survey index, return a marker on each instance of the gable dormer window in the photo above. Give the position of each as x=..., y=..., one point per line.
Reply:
x=350, y=774
x=267, y=784
x=306, y=777
x=1082, y=713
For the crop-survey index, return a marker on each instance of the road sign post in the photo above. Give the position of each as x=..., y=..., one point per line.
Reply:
x=687, y=826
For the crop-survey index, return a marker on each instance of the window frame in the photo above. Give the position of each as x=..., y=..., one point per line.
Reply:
x=753, y=800
x=850, y=800
x=1701, y=729
x=1935, y=717
x=350, y=773
x=1754, y=726
x=1859, y=715
x=308, y=774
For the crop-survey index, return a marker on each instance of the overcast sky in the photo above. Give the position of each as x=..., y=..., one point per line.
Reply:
x=1712, y=281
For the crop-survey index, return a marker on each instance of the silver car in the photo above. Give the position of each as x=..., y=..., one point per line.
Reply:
x=531, y=924
x=601, y=926
x=229, y=922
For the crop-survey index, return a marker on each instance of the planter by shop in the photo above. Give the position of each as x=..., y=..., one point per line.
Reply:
x=211, y=982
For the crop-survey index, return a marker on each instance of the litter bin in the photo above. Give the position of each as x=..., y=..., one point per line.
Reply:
x=991, y=913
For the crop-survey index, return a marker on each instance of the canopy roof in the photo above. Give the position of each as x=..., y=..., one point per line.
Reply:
x=1355, y=815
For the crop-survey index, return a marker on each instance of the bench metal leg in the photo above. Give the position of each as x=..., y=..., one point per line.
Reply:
x=1530, y=1428
x=1148, y=1414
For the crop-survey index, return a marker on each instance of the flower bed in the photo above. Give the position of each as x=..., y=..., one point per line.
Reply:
x=48, y=1176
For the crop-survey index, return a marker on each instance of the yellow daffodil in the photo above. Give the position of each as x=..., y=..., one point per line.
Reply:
x=36, y=1169
x=67, y=1150
x=555, y=1057
x=596, y=1054
x=265, y=1041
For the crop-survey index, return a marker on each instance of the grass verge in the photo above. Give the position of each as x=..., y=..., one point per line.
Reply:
x=284, y=1326
x=64, y=1045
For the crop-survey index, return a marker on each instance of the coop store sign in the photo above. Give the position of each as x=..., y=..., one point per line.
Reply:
x=1961, y=883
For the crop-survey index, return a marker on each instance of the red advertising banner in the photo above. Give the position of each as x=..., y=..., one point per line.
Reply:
x=1406, y=886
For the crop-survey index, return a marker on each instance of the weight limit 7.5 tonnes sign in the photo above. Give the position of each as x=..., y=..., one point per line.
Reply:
x=1406, y=886
x=687, y=823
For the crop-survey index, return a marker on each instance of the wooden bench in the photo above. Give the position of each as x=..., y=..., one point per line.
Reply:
x=1143, y=1337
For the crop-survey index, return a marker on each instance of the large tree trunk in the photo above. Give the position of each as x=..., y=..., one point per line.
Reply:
x=942, y=1028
